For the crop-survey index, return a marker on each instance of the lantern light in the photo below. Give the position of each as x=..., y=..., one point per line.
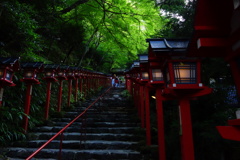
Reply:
x=1, y=73
x=49, y=74
x=30, y=71
x=157, y=75
x=71, y=73
x=61, y=73
x=9, y=75
x=143, y=59
x=185, y=73
x=30, y=74
x=145, y=75
x=50, y=70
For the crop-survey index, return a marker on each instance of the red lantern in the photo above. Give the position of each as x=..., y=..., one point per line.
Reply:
x=144, y=75
x=30, y=71
x=8, y=65
x=50, y=72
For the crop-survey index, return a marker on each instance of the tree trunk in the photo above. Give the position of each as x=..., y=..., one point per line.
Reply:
x=87, y=46
x=68, y=54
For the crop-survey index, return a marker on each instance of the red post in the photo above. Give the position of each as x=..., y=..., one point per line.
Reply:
x=80, y=85
x=130, y=86
x=69, y=91
x=148, y=123
x=160, y=124
x=1, y=95
x=76, y=89
x=186, y=130
x=142, y=105
x=48, y=95
x=60, y=95
x=27, y=106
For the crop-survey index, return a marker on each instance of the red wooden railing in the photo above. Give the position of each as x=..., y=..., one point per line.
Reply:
x=62, y=130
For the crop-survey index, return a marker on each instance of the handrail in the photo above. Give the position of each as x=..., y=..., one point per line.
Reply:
x=62, y=130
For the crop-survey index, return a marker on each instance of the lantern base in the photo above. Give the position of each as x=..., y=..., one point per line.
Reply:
x=61, y=78
x=186, y=92
x=156, y=83
x=71, y=77
x=6, y=83
x=30, y=80
x=50, y=79
x=229, y=132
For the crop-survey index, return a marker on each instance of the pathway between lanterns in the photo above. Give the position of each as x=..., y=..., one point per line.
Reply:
x=112, y=132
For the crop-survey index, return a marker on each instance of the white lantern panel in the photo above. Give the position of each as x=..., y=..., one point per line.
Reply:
x=157, y=75
x=144, y=75
x=28, y=74
x=185, y=73
x=9, y=75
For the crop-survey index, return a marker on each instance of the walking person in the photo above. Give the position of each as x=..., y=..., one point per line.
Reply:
x=116, y=82
x=113, y=82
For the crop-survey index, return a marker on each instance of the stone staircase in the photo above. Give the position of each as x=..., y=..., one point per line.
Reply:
x=110, y=133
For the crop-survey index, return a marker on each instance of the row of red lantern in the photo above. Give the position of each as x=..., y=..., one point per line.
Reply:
x=10, y=65
x=173, y=76
x=52, y=73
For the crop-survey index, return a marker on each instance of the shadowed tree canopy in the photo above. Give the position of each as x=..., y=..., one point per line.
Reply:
x=97, y=34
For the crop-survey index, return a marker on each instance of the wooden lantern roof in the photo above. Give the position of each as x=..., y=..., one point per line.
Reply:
x=51, y=66
x=33, y=65
x=163, y=47
x=12, y=62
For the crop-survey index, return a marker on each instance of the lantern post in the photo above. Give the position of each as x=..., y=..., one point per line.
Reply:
x=70, y=77
x=81, y=77
x=144, y=95
x=30, y=77
x=184, y=83
x=84, y=82
x=8, y=65
x=61, y=76
x=128, y=81
x=136, y=87
x=49, y=77
x=156, y=81
x=181, y=82
x=77, y=77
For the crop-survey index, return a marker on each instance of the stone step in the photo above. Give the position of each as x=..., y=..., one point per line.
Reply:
x=95, y=119
x=98, y=115
x=87, y=136
x=87, y=130
x=97, y=124
x=109, y=134
x=112, y=113
x=75, y=154
x=76, y=144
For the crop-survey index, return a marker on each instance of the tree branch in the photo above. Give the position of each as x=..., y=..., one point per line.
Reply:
x=73, y=6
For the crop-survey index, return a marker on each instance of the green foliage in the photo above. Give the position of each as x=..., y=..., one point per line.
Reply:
x=178, y=17
x=10, y=126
